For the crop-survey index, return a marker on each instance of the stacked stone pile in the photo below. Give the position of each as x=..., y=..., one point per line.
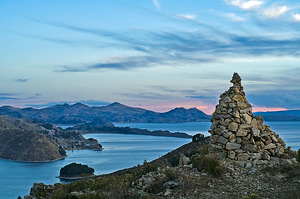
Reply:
x=235, y=132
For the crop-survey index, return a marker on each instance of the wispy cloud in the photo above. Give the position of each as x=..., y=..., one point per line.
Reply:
x=22, y=80
x=275, y=11
x=156, y=3
x=187, y=16
x=233, y=17
x=245, y=5
x=8, y=96
x=179, y=47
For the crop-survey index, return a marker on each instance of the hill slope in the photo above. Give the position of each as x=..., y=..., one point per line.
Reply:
x=22, y=140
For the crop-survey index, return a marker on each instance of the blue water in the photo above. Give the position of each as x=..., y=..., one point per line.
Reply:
x=190, y=128
x=288, y=131
x=120, y=151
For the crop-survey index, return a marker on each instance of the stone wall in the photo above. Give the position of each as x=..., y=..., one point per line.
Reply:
x=235, y=132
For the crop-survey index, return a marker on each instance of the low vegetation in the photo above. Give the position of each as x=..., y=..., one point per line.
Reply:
x=209, y=163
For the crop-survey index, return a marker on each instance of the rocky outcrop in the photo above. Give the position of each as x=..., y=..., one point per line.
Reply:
x=22, y=140
x=236, y=134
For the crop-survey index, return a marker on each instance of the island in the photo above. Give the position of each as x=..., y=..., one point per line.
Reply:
x=75, y=171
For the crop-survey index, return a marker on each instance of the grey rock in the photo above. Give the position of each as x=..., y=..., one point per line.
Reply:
x=232, y=146
x=172, y=184
x=222, y=140
x=231, y=154
x=255, y=132
x=270, y=146
x=243, y=157
x=265, y=156
x=242, y=132
x=233, y=126
x=249, y=147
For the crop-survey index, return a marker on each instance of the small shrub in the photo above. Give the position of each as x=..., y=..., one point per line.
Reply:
x=170, y=174
x=203, y=150
x=209, y=163
x=290, y=152
x=156, y=186
x=251, y=196
x=298, y=156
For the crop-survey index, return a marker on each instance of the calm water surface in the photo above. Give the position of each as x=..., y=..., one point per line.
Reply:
x=120, y=151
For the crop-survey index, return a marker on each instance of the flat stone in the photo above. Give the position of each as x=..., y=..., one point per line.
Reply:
x=254, y=123
x=214, y=138
x=255, y=132
x=233, y=126
x=245, y=126
x=227, y=134
x=227, y=99
x=232, y=104
x=217, y=117
x=243, y=157
x=242, y=132
x=255, y=156
x=268, y=142
x=231, y=154
x=274, y=138
x=239, y=98
x=270, y=146
x=246, y=110
x=247, y=118
x=249, y=147
x=232, y=138
x=243, y=104
x=222, y=140
x=265, y=156
x=235, y=114
x=232, y=146
x=248, y=165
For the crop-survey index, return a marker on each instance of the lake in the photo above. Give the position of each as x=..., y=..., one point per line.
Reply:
x=120, y=151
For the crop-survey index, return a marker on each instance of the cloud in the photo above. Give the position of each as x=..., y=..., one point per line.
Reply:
x=233, y=17
x=8, y=96
x=272, y=99
x=275, y=11
x=296, y=17
x=22, y=80
x=170, y=48
x=118, y=63
x=187, y=16
x=245, y=5
x=156, y=3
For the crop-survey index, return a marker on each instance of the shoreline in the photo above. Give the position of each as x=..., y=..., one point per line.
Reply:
x=24, y=161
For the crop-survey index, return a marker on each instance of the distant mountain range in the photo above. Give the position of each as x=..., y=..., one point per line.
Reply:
x=78, y=113
x=289, y=115
x=65, y=114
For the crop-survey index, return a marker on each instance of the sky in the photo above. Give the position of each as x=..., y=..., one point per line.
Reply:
x=153, y=54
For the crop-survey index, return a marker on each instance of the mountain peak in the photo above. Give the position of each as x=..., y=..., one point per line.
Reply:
x=80, y=105
x=116, y=104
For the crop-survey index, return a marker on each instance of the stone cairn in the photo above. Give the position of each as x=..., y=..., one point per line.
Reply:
x=238, y=135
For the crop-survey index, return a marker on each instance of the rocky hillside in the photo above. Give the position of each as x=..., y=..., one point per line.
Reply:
x=242, y=159
x=23, y=140
x=115, y=112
